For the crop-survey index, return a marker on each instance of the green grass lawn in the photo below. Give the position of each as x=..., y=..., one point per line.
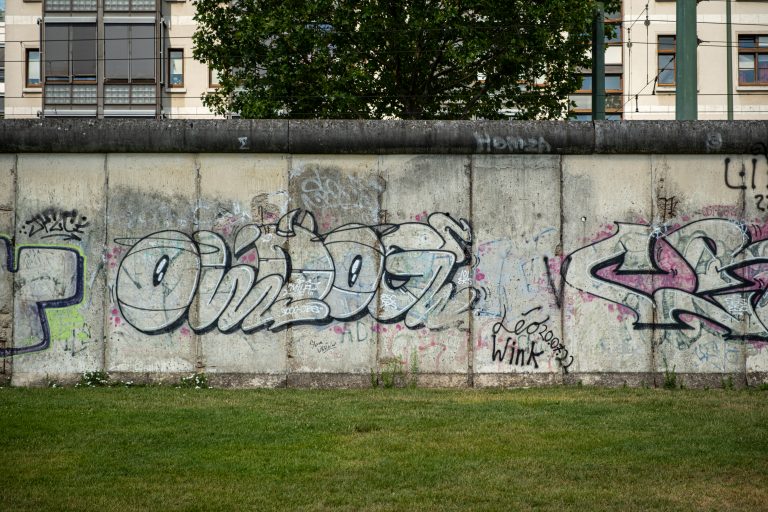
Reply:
x=383, y=449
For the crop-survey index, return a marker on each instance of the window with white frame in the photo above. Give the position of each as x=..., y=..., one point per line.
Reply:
x=175, y=67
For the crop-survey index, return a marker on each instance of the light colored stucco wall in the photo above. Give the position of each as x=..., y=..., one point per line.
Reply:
x=315, y=270
x=641, y=65
x=23, y=31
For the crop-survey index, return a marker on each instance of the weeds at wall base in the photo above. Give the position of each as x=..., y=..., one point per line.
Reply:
x=393, y=374
x=196, y=381
x=101, y=379
x=670, y=377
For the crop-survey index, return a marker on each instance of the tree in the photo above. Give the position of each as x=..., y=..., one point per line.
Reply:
x=408, y=59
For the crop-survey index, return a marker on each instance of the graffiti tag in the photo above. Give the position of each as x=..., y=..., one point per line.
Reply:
x=288, y=273
x=710, y=269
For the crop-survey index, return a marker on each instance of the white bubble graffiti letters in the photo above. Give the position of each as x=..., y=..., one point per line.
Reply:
x=318, y=278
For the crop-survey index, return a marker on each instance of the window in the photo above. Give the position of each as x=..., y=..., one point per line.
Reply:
x=582, y=99
x=70, y=52
x=130, y=64
x=129, y=5
x=2, y=63
x=666, y=58
x=32, y=65
x=129, y=53
x=70, y=5
x=753, y=60
x=213, y=78
x=175, y=68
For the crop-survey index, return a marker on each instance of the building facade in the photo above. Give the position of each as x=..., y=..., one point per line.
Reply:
x=640, y=78
x=103, y=58
x=133, y=58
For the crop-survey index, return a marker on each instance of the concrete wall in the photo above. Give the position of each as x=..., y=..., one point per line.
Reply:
x=320, y=253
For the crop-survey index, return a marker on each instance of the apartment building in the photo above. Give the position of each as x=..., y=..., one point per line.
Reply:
x=103, y=58
x=641, y=69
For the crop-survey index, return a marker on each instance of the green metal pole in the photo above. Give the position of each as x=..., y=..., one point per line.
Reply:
x=598, y=64
x=729, y=58
x=686, y=101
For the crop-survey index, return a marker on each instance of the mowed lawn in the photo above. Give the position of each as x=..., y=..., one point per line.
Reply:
x=383, y=449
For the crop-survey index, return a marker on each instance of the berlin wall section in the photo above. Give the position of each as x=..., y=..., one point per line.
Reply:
x=338, y=253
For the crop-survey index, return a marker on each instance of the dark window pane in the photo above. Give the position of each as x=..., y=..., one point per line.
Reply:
x=612, y=82
x=666, y=42
x=746, y=41
x=616, y=37
x=116, y=54
x=613, y=117
x=666, y=69
x=84, y=52
x=142, y=52
x=57, y=52
x=586, y=83
x=746, y=76
x=762, y=67
x=582, y=117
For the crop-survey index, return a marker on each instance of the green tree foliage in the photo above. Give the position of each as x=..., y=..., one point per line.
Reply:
x=408, y=59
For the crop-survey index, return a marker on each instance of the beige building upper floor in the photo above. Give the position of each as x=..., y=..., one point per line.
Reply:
x=108, y=58
x=104, y=58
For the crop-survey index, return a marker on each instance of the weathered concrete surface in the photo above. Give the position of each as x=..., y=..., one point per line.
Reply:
x=153, y=201
x=351, y=254
x=597, y=193
x=7, y=223
x=382, y=137
x=237, y=190
x=59, y=191
x=689, y=191
x=517, y=249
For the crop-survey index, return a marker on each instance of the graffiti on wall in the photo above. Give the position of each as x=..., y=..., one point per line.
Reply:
x=749, y=177
x=712, y=269
x=288, y=273
x=48, y=277
x=53, y=223
x=525, y=332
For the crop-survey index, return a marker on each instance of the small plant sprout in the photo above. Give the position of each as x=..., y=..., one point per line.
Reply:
x=196, y=381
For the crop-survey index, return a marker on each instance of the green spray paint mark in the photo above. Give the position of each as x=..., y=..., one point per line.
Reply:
x=65, y=323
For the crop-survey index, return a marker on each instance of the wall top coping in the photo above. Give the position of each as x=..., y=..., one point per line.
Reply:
x=382, y=137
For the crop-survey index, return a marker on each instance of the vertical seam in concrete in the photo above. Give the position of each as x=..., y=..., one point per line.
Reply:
x=198, y=342
x=471, y=337
x=8, y=362
x=107, y=296
x=377, y=357
x=654, y=345
x=562, y=258
x=746, y=229
x=289, y=144
x=289, y=331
